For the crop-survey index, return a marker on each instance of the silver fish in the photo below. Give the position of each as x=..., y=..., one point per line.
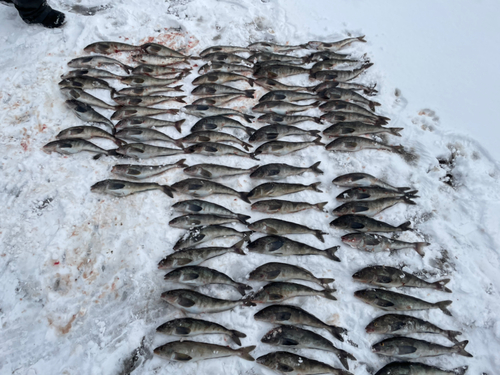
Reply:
x=87, y=132
x=368, y=90
x=281, y=291
x=83, y=97
x=403, y=368
x=334, y=46
x=86, y=113
x=218, y=100
x=196, y=220
x=364, y=180
x=201, y=188
x=371, y=193
x=336, y=117
x=282, y=108
x=362, y=223
x=196, y=206
x=268, y=56
x=406, y=347
x=376, y=243
x=223, y=67
x=159, y=60
x=370, y=208
x=96, y=61
x=339, y=75
x=75, y=145
x=288, y=95
x=223, y=49
x=216, y=149
x=143, y=151
x=120, y=188
x=334, y=63
x=160, y=50
x=90, y=72
x=293, y=364
x=148, y=90
x=144, y=135
x=144, y=80
x=220, y=77
x=216, y=123
x=228, y=58
x=212, y=171
x=277, y=131
x=274, y=118
x=155, y=70
x=140, y=172
x=339, y=105
x=276, y=226
x=84, y=82
x=336, y=93
x=279, y=71
x=277, y=206
x=196, y=303
x=148, y=122
x=277, y=189
x=272, y=47
x=212, y=89
x=145, y=101
x=207, y=110
x=271, y=84
x=342, y=129
x=133, y=111
x=211, y=136
x=352, y=144
x=108, y=47
x=280, y=148
x=187, y=351
x=277, y=171
x=200, y=235
x=284, y=272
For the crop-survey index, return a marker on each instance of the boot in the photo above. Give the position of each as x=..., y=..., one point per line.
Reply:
x=39, y=12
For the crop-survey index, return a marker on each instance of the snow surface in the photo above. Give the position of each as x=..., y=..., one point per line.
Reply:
x=79, y=278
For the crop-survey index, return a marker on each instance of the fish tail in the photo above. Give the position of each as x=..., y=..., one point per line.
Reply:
x=249, y=130
x=408, y=200
x=243, y=219
x=314, y=168
x=411, y=194
x=307, y=59
x=172, y=111
x=337, y=332
x=245, y=353
x=186, y=70
x=248, y=118
x=460, y=349
x=180, y=164
x=452, y=335
x=237, y=247
x=249, y=93
x=246, y=235
x=315, y=187
x=252, y=156
x=317, y=120
x=167, y=190
x=380, y=121
x=251, y=81
x=253, y=169
x=178, y=125
x=440, y=285
x=180, y=99
x=118, y=142
x=325, y=282
x=242, y=288
x=403, y=189
x=318, y=142
x=127, y=68
x=315, y=104
x=343, y=356
x=327, y=293
x=460, y=370
x=235, y=335
x=178, y=88
x=370, y=90
x=321, y=206
x=178, y=143
x=330, y=253
x=395, y=131
x=399, y=149
x=419, y=247
x=405, y=226
x=366, y=66
x=443, y=306
x=362, y=39
x=319, y=235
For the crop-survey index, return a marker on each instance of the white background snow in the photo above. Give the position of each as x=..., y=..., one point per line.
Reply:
x=78, y=271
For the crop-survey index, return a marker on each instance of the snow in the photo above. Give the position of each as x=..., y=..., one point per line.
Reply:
x=79, y=278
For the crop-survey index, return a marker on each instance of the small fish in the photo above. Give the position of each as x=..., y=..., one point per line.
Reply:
x=228, y=58
x=284, y=272
x=334, y=46
x=375, y=243
x=144, y=151
x=277, y=131
x=75, y=145
x=271, y=84
x=280, y=148
x=277, y=189
x=223, y=67
x=188, y=351
x=276, y=226
x=148, y=90
x=390, y=277
x=339, y=105
x=274, y=118
x=223, y=49
x=216, y=89
x=196, y=303
x=207, y=110
x=370, y=208
x=159, y=60
x=140, y=111
x=83, y=97
x=263, y=64
x=148, y=81
x=144, y=135
x=268, y=56
x=339, y=75
x=96, y=61
x=406, y=347
x=212, y=171
x=200, y=276
x=110, y=47
x=147, y=122
x=292, y=315
x=196, y=206
x=193, y=257
x=280, y=291
x=86, y=113
x=347, y=96
x=364, y=180
x=277, y=206
x=216, y=123
x=362, y=223
x=84, y=82
x=120, y=188
x=334, y=63
x=402, y=368
x=371, y=193
x=90, y=72
x=188, y=327
x=342, y=129
x=200, y=235
x=140, y=172
x=155, y=70
x=282, y=246
x=325, y=55
x=87, y=132
x=282, y=108
x=278, y=171
x=220, y=77
x=336, y=117
x=216, y=149
x=201, y=188
x=279, y=71
x=195, y=220
x=288, y=95
x=218, y=100
x=391, y=301
x=211, y=136
x=352, y=144
x=272, y=47
x=368, y=90
x=160, y=50
x=145, y=101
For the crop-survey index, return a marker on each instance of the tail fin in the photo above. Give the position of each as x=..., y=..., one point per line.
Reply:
x=412, y=193
x=315, y=187
x=443, y=306
x=321, y=206
x=451, y=335
x=460, y=349
x=127, y=68
x=327, y=293
x=168, y=190
x=337, y=332
x=248, y=118
x=405, y=226
x=380, y=121
x=178, y=88
x=246, y=146
x=245, y=353
x=235, y=335
x=460, y=370
x=186, y=71
x=95, y=157
x=180, y=164
x=319, y=235
x=249, y=93
x=178, y=125
x=366, y=66
x=419, y=246
x=252, y=156
x=249, y=130
x=407, y=200
x=314, y=168
x=253, y=169
x=403, y=189
x=243, y=219
x=440, y=285
x=307, y=59
x=250, y=81
x=343, y=356
x=318, y=120
x=330, y=253
x=314, y=133
x=243, y=196
x=370, y=90
x=242, y=288
x=237, y=247
x=118, y=142
x=318, y=142
x=246, y=235
x=395, y=131
x=180, y=99
x=362, y=39
x=315, y=104
x=326, y=282
x=399, y=149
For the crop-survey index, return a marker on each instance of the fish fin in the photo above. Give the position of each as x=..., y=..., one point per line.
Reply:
x=180, y=99
x=270, y=230
x=248, y=118
x=250, y=81
x=315, y=187
x=383, y=279
x=343, y=356
x=95, y=157
x=451, y=335
x=327, y=293
x=243, y=196
x=249, y=130
x=273, y=274
x=205, y=173
x=321, y=206
x=395, y=131
x=243, y=218
x=383, y=303
x=252, y=156
x=319, y=235
x=246, y=235
x=314, y=168
x=172, y=111
x=182, y=357
x=186, y=302
x=362, y=39
x=289, y=342
x=315, y=104
x=246, y=146
x=191, y=276
x=318, y=142
x=178, y=88
x=402, y=189
x=275, y=296
x=318, y=120
x=183, y=261
x=235, y=335
x=440, y=285
x=237, y=247
x=443, y=306
x=408, y=200
x=399, y=149
x=406, y=349
x=167, y=190
x=242, y=288
x=330, y=253
x=249, y=93
x=405, y=226
x=460, y=370
x=337, y=332
x=182, y=330
x=180, y=164
x=460, y=349
x=325, y=281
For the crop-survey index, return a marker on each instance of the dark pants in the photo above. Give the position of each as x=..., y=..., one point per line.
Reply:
x=31, y=10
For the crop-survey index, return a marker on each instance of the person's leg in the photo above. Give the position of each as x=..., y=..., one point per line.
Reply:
x=38, y=11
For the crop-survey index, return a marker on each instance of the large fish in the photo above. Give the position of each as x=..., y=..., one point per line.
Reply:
x=273, y=118
x=336, y=117
x=347, y=96
x=84, y=82
x=339, y=75
x=144, y=135
x=375, y=243
x=195, y=220
x=212, y=171
x=278, y=70
x=87, y=132
x=145, y=101
x=148, y=122
x=280, y=291
x=413, y=368
x=108, y=47
x=229, y=58
x=277, y=131
x=223, y=67
x=277, y=206
x=96, y=61
x=276, y=226
x=217, y=149
x=200, y=235
x=278, y=171
x=155, y=70
x=207, y=111
x=352, y=144
x=339, y=105
x=90, y=72
x=334, y=46
x=220, y=78
x=160, y=50
x=148, y=90
x=370, y=208
x=268, y=56
x=293, y=364
x=121, y=188
x=193, y=302
x=188, y=351
x=133, y=111
x=277, y=189
x=83, y=97
x=335, y=63
x=288, y=95
x=143, y=151
x=362, y=223
x=216, y=89
x=217, y=101
x=409, y=348
x=364, y=180
x=271, y=84
x=86, y=113
x=280, y=148
x=282, y=108
x=75, y=145
x=275, y=271
x=148, y=81
x=216, y=123
x=211, y=136
x=159, y=60
x=196, y=206
x=273, y=47
x=325, y=55
x=342, y=129
x=368, y=90
x=140, y=172
x=371, y=193
x=201, y=188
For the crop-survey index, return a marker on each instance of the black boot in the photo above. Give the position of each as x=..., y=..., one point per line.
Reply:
x=39, y=12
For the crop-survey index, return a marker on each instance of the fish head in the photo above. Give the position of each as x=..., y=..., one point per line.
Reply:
x=50, y=147
x=366, y=275
x=267, y=360
x=385, y=348
x=257, y=275
x=99, y=187
x=366, y=295
x=265, y=315
x=273, y=337
x=167, y=327
x=352, y=239
x=165, y=264
x=375, y=327
x=165, y=351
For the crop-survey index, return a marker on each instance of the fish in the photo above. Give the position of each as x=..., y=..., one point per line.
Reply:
x=83, y=97
x=345, y=95
x=160, y=50
x=107, y=47
x=87, y=132
x=404, y=368
x=200, y=276
x=280, y=148
x=371, y=193
x=193, y=257
x=406, y=347
x=133, y=111
x=196, y=206
x=277, y=206
x=207, y=111
x=268, y=56
x=121, y=188
x=334, y=46
x=299, y=338
x=148, y=90
x=293, y=315
x=280, y=291
x=90, y=72
x=195, y=220
x=277, y=189
x=390, y=277
x=277, y=131
x=197, y=236
x=339, y=75
x=263, y=64
x=271, y=84
x=144, y=151
x=86, y=113
x=392, y=301
x=288, y=95
x=84, y=82
x=334, y=63
x=211, y=136
x=279, y=71
x=216, y=123
x=216, y=149
x=159, y=60
x=272, y=47
x=370, y=208
x=188, y=327
x=282, y=108
x=282, y=246
x=376, y=243
x=96, y=61
x=293, y=364
x=274, y=118
x=140, y=172
x=155, y=70
x=368, y=90
x=218, y=100
x=202, y=188
x=275, y=271
x=228, y=58
x=212, y=171
x=147, y=122
x=339, y=105
x=362, y=223
x=144, y=135
x=145, y=101
x=276, y=226
x=216, y=89
x=143, y=80
x=325, y=55
x=223, y=49
x=75, y=145
x=352, y=144
x=277, y=171
x=223, y=67
x=358, y=128
x=364, y=180
x=336, y=117
x=220, y=77
x=188, y=351
x=396, y=324
x=193, y=302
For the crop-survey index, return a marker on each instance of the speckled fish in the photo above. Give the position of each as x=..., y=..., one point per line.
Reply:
x=271, y=84
x=96, y=61
x=277, y=206
x=228, y=58
x=223, y=67
x=148, y=90
x=264, y=64
x=345, y=95
x=390, y=277
x=282, y=246
x=276, y=226
x=210, y=136
x=413, y=368
x=371, y=193
x=279, y=71
x=342, y=129
x=83, y=97
x=221, y=77
x=272, y=47
x=197, y=236
x=268, y=56
x=339, y=75
x=277, y=189
x=189, y=351
x=273, y=118
x=277, y=171
x=155, y=70
x=298, y=338
x=140, y=111
x=188, y=327
x=280, y=148
x=334, y=46
x=147, y=122
x=293, y=364
x=144, y=135
x=282, y=108
x=397, y=324
x=87, y=132
x=218, y=100
x=391, y=301
x=160, y=50
x=200, y=276
x=292, y=315
x=159, y=60
x=145, y=101
x=144, y=80
x=339, y=105
x=336, y=117
x=375, y=243
x=216, y=89
x=193, y=302
x=109, y=47
x=143, y=151
x=75, y=145
x=362, y=223
x=364, y=180
x=207, y=111
x=223, y=49
x=86, y=113
x=288, y=95
x=140, y=172
x=370, y=208
x=277, y=131
x=196, y=206
x=121, y=188
x=368, y=90
x=193, y=257
x=195, y=220
x=334, y=63
x=212, y=171
x=406, y=347
x=216, y=123
x=353, y=144
x=325, y=55
x=284, y=272
x=84, y=82
x=281, y=291
x=216, y=149
x=201, y=188
x=90, y=72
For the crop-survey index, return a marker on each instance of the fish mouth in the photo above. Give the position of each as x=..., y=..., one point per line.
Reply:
x=369, y=329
